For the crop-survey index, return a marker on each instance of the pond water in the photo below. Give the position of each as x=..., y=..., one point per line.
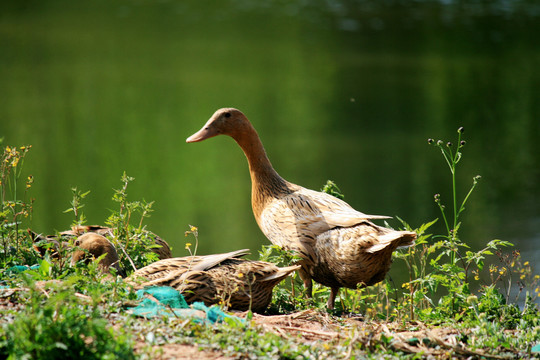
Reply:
x=341, y=90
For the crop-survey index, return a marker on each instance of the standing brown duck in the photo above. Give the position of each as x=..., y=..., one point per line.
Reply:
x=340, y=247
x=242, y=284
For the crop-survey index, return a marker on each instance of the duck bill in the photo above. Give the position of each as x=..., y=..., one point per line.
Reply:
x=203, y=134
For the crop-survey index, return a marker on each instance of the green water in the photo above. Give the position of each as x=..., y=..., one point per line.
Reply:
x=342, y=90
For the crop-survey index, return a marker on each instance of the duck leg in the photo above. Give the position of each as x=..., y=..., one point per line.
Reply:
x=332, y=298
x=308, y=284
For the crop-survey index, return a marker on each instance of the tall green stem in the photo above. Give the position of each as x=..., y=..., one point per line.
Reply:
x=15, y=207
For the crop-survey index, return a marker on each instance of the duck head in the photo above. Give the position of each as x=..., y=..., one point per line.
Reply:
x=92, y=245
x=226, y=121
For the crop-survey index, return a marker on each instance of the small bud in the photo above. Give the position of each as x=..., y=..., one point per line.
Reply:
x=461, y=130
x=462, y=143
x=430, y=141
x=449, y=144
x=439, y=142
x=472, y=299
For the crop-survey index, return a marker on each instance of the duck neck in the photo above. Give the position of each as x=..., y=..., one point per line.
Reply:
x=266, y=183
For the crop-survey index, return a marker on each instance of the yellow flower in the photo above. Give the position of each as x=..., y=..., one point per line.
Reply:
x=192, y=230
x=240, y=275
x=525, y=263
x=188, y=245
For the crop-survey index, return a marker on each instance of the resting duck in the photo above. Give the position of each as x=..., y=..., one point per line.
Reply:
x=241, y=284
x=162, y=250
x=92, y=246
x=340, y=246
x=43, y=243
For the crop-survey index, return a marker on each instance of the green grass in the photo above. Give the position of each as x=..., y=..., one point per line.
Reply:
x=457, y=302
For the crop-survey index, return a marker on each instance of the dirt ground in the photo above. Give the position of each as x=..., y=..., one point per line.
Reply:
x=317, y=327
x=312, y=326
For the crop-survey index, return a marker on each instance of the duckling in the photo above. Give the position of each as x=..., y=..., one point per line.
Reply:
x=92, y=245
x=240, y=284
x=339, y=246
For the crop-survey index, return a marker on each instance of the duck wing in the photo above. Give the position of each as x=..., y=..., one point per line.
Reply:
x=293, y=221
x=336, y=212
x=174, y=267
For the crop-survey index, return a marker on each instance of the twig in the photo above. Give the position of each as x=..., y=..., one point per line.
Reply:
x=464, y=351
x=315, y=332
x=129, y=258
x=351, y=344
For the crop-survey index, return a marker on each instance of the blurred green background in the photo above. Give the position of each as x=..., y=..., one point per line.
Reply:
x=344, y=90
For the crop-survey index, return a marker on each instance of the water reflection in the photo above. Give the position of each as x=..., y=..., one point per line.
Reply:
x=346, y=90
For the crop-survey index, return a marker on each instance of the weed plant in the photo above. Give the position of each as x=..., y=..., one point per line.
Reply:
x=15, y=208
x=134, y=241
x=55, y=323
x=129, y=234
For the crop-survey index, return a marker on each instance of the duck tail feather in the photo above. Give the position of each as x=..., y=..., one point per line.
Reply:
x=282, y=273
x=396, y=239
x=209, y=261
x=377, y=217
x=407, y=239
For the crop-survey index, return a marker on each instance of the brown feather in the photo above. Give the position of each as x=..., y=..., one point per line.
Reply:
x=221, y=278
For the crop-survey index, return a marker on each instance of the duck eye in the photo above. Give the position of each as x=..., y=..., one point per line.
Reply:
x=227, y=114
